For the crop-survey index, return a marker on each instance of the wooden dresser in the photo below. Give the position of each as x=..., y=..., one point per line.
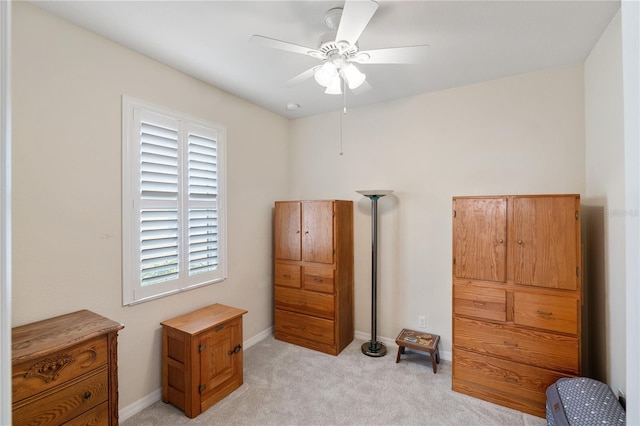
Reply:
x=65, y=370
x=517, y=296
x=202, y=357
x=313, y=274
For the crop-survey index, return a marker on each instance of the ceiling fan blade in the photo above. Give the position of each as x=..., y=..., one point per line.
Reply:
x=284, y=45
x=305, y=75
x=355, y=17
x=393, y=55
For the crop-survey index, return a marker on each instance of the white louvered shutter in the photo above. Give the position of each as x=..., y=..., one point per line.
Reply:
x=172, y=183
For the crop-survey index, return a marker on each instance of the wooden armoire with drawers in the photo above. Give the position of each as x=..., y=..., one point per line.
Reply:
x=517, y=296
x=313, y=274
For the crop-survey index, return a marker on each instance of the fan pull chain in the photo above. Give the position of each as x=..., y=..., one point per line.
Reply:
x=344, y=111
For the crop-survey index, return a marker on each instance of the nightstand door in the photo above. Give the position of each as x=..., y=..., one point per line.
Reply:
x=220, y=357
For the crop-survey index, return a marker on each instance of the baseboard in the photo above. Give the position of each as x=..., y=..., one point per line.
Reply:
x=140, y=404
x=391, y=344
x=156, y=395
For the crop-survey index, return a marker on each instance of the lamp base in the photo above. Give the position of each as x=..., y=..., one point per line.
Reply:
x=376, y=349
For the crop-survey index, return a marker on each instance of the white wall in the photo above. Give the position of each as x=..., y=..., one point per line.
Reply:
x=5, y=213
x=67, y=91
x=519, y=135
x=605, y=205
x=630, y=12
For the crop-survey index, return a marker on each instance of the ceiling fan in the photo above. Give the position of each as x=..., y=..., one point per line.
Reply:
x=340, y=52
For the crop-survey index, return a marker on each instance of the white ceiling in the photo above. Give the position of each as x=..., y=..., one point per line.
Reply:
x=470, y=41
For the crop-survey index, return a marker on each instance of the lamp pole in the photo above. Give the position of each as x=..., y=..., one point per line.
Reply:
x=373, y=347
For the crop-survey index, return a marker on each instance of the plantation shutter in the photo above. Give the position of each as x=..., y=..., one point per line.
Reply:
x=173, y=224
x=203, y=210
x=159, y=221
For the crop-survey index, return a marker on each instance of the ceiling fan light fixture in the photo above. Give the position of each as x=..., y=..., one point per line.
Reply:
x=334, y=87
x=353, y=76
x=326, y=74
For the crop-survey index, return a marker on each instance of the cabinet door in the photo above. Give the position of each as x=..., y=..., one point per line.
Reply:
x=480, y=233
x=287, y=230
x=317, y=231
x=219, y=358
x=545, y=241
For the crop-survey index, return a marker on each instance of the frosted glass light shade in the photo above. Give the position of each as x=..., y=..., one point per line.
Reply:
x=352, y=76
x=334, y=87
x=326, y=74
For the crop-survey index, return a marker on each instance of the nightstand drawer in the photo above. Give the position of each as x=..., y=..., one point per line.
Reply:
x=553, y=313
x=547, y=350
x=65, y=403
x=48, y=371
x=485, y=303
x=305, y=302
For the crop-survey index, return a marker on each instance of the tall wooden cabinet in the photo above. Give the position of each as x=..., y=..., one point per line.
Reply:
x=517, y=296
x=313, y=274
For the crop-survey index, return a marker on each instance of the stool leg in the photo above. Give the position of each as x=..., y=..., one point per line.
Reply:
x=400, y=351
x=432, y=355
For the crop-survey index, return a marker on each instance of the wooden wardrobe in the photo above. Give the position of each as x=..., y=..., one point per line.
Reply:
x=517, y=296
x=313, y=274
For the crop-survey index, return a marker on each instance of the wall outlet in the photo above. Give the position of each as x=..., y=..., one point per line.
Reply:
x=422, y=321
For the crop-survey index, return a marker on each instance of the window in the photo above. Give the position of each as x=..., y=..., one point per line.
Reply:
x=172, y=200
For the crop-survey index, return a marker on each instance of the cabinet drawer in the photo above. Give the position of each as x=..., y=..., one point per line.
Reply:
x=287, y=275
x=35, y=376
x=306, y=302
x=554, y=313
x=486, y=303
x=552, y=351
x=318, y=279
x=304, y=326
x=501, y=381
x=65, y=403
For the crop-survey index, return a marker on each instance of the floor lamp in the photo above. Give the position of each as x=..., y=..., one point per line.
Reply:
x=373, y=347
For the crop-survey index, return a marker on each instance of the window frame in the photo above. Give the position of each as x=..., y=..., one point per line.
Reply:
x=133, y=112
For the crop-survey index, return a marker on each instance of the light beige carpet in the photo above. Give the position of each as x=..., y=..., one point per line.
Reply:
x=285, y=384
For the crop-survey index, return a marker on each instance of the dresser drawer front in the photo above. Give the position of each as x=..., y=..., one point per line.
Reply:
x=553, y=313
x=552, y=351
x=304, y=326
x=98, y=416
x=319, y=279
x=287, y=275
x=503, y=381
x=306, y=302
x=65, y=403
x=486, y=303
x=44, y=373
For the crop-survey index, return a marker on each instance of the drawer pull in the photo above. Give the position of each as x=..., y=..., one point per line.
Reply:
x=318, y=280
x=287, y=275
x=511, y=345
x=544, y=314
x=302, y=302
x=235, y=350
x=479, y=303
x=87, y=395
x=510, y=379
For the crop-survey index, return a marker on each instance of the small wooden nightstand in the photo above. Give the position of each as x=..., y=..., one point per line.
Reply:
x=425, y=342
x=201, y=357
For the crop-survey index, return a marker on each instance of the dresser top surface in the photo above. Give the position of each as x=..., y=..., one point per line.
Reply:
x=40, y=338
x=204, y=318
